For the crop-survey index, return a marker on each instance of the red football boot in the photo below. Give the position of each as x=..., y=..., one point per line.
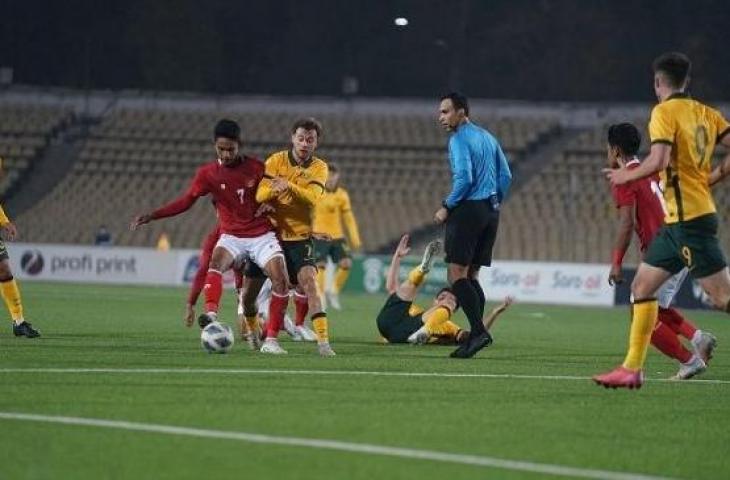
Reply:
x=621, y=377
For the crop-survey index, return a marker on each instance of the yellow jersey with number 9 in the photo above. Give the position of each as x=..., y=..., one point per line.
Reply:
x=692, y=129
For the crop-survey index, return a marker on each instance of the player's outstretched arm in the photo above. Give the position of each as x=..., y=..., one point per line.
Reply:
x=176, y=207
x=140, y=220
x=497, y=311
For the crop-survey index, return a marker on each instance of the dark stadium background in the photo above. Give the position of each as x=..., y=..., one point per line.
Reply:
x=506, y=49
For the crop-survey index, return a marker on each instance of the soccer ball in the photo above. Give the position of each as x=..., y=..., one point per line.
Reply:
x=216, y=337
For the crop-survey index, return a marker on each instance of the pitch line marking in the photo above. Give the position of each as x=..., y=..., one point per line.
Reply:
x=364, y=448
x=252, y=371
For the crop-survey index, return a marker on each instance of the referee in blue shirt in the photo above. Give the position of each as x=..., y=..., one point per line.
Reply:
x=480, y=181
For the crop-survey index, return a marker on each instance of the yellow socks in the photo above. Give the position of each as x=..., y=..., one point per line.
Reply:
x=252, y=323
x=416, y=276
x=319, y=324
x=644, y=315
x=340, y=279
x=438, y=323
x=11, y=295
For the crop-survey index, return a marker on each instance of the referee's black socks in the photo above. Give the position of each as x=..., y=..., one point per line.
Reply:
x=468, y=298
x=480, y=294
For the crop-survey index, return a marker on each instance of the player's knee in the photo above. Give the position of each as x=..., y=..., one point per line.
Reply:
x=720, y=297
x=307, y=283
x=345, y=264
x=640, y=289
x=5, y=272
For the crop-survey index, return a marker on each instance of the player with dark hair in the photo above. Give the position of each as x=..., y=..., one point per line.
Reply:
x=640, y=208
x=402, y=321
x=294, y=182
x=231, y=180
x=684, y=133
x=480, y=182
x=330, y=213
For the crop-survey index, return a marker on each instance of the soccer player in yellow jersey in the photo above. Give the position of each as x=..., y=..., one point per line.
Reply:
x=294, y=182
x=8, y=285
x=330, y=213
x=402, y=321
x=683, y=134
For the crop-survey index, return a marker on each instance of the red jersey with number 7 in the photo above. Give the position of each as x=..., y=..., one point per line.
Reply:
x=233, y=189
x=645, y=195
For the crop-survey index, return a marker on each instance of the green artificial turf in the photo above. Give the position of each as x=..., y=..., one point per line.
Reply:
x=670, y=429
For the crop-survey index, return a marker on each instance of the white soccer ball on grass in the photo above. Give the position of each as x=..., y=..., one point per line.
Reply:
x=217, y=337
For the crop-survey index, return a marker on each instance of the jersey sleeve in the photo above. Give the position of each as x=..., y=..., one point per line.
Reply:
x=722, y=125
x=264, y=192
x=199, y=187
x=661, y=126
x=350, y=222
x=4, y=220
x=623, y=195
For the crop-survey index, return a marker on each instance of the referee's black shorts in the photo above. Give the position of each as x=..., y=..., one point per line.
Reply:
x=471, y=229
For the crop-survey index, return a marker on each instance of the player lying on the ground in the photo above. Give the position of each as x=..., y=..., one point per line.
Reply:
x=402, y=321
x=641, y=208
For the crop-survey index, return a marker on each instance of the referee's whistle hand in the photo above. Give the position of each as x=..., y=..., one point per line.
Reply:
x=440, y=216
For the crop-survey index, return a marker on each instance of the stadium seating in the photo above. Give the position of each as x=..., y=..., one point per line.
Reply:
x=24, y=131
x=395, y=167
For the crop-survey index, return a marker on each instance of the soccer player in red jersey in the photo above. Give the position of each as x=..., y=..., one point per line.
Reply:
x=231, y=180
x=640, y=208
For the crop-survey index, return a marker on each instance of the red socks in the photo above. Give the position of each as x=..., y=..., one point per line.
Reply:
x=301, y=305
x=674, y=320
x=666, y=341
x=277, y=309
x=213, y=289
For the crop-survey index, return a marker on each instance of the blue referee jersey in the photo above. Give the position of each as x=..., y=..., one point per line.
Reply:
x=479, y=167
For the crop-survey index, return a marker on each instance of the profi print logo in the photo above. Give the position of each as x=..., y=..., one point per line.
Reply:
x=32, y=262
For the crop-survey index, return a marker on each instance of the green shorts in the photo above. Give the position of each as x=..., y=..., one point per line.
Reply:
x=298, y=254
x=394, y=322
x=692, y=244
x=334, y=249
